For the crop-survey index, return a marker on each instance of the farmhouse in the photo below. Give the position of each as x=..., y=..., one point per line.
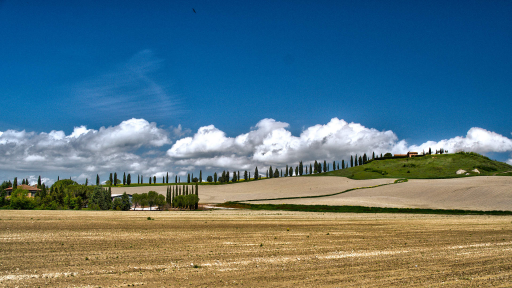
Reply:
x=409, y=154
x=31, y=190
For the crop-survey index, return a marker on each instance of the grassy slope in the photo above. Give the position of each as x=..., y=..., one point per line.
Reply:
x=427, y=167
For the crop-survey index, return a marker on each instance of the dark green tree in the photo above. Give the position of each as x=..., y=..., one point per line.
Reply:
x=115, y=179
x=342, y=164
x=360, y=160
x=86, y=181
x=215, y=177
x=373, y=155
x=256, y=175
x=128, y=179
x=325, y=166
x=296, y=170
x=188, y=178
x=15, y=184
x=286, y=171
x=97, y=180
x=271, y=172
x=200, y=176
x=290, y=171
x=365, y=158
x=167, y=179
x=125, y=202
x=276, y=173
x=301, y=168
x=310, y=169
x=111, y=179
x=124, y=178
x=154, y=179
x=333, y=165
x=152, y=199
x=351, y=161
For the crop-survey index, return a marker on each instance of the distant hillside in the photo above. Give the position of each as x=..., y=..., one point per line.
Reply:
x=425, y=167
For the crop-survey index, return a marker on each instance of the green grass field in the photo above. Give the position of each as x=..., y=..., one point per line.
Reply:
x=425, y=167
x=357, y=209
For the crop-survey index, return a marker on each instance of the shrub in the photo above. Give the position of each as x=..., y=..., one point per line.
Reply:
x=486, y=168
x=375, y=170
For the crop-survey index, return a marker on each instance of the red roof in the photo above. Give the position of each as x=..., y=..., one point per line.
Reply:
x=25, y=187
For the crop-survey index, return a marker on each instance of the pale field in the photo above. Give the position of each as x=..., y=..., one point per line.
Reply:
x=253, y=249
x=267, y=188
x=472, y=193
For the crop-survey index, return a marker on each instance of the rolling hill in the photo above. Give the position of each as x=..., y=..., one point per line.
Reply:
x=438, y=166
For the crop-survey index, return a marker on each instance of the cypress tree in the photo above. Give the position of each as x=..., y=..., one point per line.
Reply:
x=333, y=165
x=58, y=179
x=296, y=170
x=256, y=173
x=163, y=179
x=234, y=177
x=111, y=179
x=167, y=178
x=86, y=181
x=154, y=179
x=316, y=167
x=15, y=184
x=286, y=171
x=270, y=172
x=290, y=172
x=129, y=179
x=245, y=175
x=176, y=179
x=238, y=175
x=215, y=177
x=201, y=176
x=306, y=169
x=373, y=155
x=124, y=178
x=364, y=158
x=115, y=179
x=325, y=166
x=342, y=164
x=301, y=168
x=97, y=180
x=276, y=173
x=360, y=160
x=141, y=179
x=267, y=174
x=150, y=180
x=310, y=169
x=351, y=161
x=188, y=178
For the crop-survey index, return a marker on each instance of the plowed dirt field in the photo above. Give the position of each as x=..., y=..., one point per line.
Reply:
x=472, y=193
x=253, y=249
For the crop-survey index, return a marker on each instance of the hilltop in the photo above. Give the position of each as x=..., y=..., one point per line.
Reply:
x=426, y=167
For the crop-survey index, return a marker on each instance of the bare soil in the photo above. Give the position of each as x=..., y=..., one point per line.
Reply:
x=252, y=248
x=472, y=193
x=267, y=188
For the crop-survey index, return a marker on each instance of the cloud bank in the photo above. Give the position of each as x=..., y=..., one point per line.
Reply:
x=139, y=147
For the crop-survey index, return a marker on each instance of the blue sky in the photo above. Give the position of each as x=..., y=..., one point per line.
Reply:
x=423, y=70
